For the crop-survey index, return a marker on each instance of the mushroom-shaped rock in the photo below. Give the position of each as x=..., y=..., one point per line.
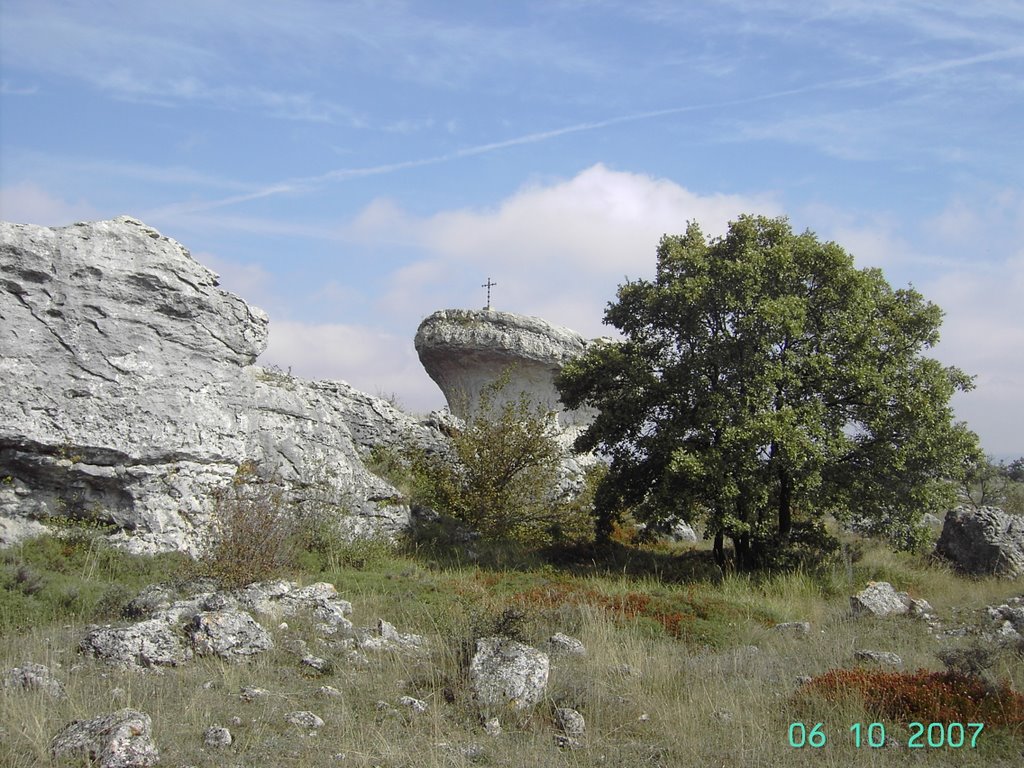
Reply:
x=465, y=351
x=506, y=673
x=123, y=739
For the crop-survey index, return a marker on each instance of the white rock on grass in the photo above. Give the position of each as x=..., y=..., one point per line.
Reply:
x=228, y=634
x=152, y=364
x=217, y=736
x=304, y=719
x=565, y=645
x=880, y=599
x=122, y=739
x=887, y=658
x=33, y=677
x=148, y=644
x=985, y=541
x=507, y=674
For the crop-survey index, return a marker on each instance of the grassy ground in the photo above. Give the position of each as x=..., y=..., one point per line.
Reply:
x=682, y=666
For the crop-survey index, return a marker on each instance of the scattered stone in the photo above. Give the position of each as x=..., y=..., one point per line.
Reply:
x=492, y=726
x=562, y=741
x=216, y=736
x=228, y=634
x=505, y=673
x=880, y=599
x=570, y=721
x=416, y=705
x=804, y=679
x=985, y=541
x=147, y=644
x=329, y=692
x=304, y=719
x=879, y=657
x=561, y=644
x=386, y=638
x=122, y=739
x=251, y=693
x=794, y=627
x=33, y=677
x=316, y=664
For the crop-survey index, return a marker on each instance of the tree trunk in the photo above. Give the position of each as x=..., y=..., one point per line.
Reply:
x=785, y=504
x=719, y=549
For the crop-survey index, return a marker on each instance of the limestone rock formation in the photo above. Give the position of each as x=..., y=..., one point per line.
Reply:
x=463, y=351
x=984, y=541
x=131, y=395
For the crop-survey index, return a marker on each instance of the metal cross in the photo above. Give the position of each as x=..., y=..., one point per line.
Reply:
x=488, y=285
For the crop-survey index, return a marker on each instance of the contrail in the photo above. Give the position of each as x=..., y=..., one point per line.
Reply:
x=307, y=183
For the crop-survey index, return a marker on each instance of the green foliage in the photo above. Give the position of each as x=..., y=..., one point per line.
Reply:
x=60, y=577
x=999, y=484
x=502, y=478
x=763, y=379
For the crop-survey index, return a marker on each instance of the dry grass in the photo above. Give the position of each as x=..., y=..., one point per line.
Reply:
x=669, y=679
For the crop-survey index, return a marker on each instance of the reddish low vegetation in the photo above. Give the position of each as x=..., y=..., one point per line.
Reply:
x=924, y=696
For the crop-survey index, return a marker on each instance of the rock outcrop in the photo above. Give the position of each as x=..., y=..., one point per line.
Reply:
x=984, y=541
x=464, y=351
x=131, y=395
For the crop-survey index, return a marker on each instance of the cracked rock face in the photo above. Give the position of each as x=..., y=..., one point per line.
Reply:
x=984, y=541
x=464, y=351
x=131, y=395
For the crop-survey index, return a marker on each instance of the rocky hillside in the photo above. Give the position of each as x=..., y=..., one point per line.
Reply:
x=131, y=395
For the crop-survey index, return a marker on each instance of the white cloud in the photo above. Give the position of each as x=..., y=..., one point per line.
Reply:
x=28, y=203
x=372, y=360
x=557, y=248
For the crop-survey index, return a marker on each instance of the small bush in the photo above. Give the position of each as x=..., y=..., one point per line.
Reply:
x=923, y=696
x=253, y=534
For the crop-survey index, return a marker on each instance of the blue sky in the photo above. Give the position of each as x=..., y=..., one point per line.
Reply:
x=352, y=166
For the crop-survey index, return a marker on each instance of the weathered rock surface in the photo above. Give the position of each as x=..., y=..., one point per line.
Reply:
x=506, y=674
x=465, y=351
x=984, y=541
x=33, y=677
x=880, y=599
x=131, y=395
x=887, y=658
x=123, y=739
x=147, y=644
x=228, y=634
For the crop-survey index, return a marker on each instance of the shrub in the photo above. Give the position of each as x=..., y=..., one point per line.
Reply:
x=502, y=478
x=923, y=696
x=252, y=536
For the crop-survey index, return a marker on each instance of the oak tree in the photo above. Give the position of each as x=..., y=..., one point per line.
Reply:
x=763, y=382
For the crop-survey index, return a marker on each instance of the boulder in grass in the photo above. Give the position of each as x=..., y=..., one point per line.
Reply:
x=983, y=542
x=228, y=634
x=505, y=674
x=880, y=599
x=122, y=739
